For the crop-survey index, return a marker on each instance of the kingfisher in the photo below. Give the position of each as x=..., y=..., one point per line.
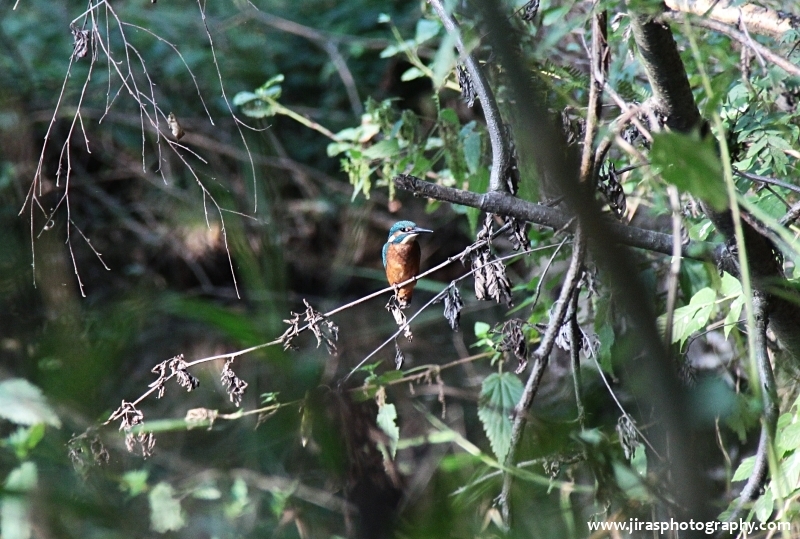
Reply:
x=401, y=255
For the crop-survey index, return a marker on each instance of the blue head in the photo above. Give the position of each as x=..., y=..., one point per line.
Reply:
x=402, y=232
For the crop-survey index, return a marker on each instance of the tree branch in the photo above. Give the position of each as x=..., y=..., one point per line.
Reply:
x=742, y=38
x=507, y=205
x=766, y=380
x=664, y=68
x=760, y=20
x=599, y=63
x=540, y=360
x=494, y=123
x=538, y=138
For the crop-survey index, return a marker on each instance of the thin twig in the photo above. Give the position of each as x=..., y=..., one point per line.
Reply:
x=541, y=357
x=575, y=342
x=776, y=59
x=765, y=179
x=766, y=380
x=506, y=205
x=675, y=264
x=438, y=297
x=599, y=71
x=543, y=274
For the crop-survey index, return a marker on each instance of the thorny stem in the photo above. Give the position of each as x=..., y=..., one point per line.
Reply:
x=541, y=357
x=494, y=123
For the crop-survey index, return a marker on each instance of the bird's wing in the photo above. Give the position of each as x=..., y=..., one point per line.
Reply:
x=383, y=253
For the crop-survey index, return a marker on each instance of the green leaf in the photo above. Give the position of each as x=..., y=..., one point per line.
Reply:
x=482, y=330
x=134, y=482
x=789, y=473
x=243, y=98
x=472, y=147
x=606, y=336
x=24, y=404
x=499, y=394
x=692, y=317
x=427, y=29
x=745, y=469
x=15, y=516
x=22, y=478
x=207, y=492
x=788, y=438
x=691, y=164
x=271, y=89
x=382, y=150
x=387, y=417
x=165, y=509
x=734, y=312
x=730, y=285
x=630, y=483
x=24, y=439
x=639, y=460
x=411, y=73
x=241, y=499
x=443, y=61
x=764, y=506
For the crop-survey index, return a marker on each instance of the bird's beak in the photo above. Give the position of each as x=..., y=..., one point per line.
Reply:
x=421, y=230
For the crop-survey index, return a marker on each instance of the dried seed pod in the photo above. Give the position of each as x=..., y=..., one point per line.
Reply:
x=467, y=89
x=82, y=40
x=185, y=379
x=530, y=10
x=399, y=357
x=610, y=187
x=453, y=306
x=175, y=126
x=234, y=385
x=322, y=327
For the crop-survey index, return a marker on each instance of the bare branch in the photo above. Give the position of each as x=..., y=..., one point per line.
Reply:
x=501, y=156
x=541, y=357
x=758, y=477
x=741, y=37
x=599, y=71
x=761, y=20
x=507, y=205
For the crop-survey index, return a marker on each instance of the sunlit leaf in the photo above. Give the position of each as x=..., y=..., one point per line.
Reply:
x=427, y=29
x=692, y=317
x=387, y=417
x=382, y=150
x=745, y=469
x=24, y=439
x=734, y=312
x=15, y=518
x=23, y=403
x=788, y=438
x=165, y=509
x=134, y=482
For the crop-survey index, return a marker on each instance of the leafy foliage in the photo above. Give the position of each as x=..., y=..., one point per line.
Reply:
x=499, y=394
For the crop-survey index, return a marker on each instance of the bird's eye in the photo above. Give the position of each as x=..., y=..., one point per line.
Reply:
x=407, y=229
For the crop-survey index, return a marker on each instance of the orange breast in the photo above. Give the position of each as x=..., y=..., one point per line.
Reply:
x=402, y=263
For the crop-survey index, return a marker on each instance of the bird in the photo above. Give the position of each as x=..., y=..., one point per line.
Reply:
x=401, y=255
